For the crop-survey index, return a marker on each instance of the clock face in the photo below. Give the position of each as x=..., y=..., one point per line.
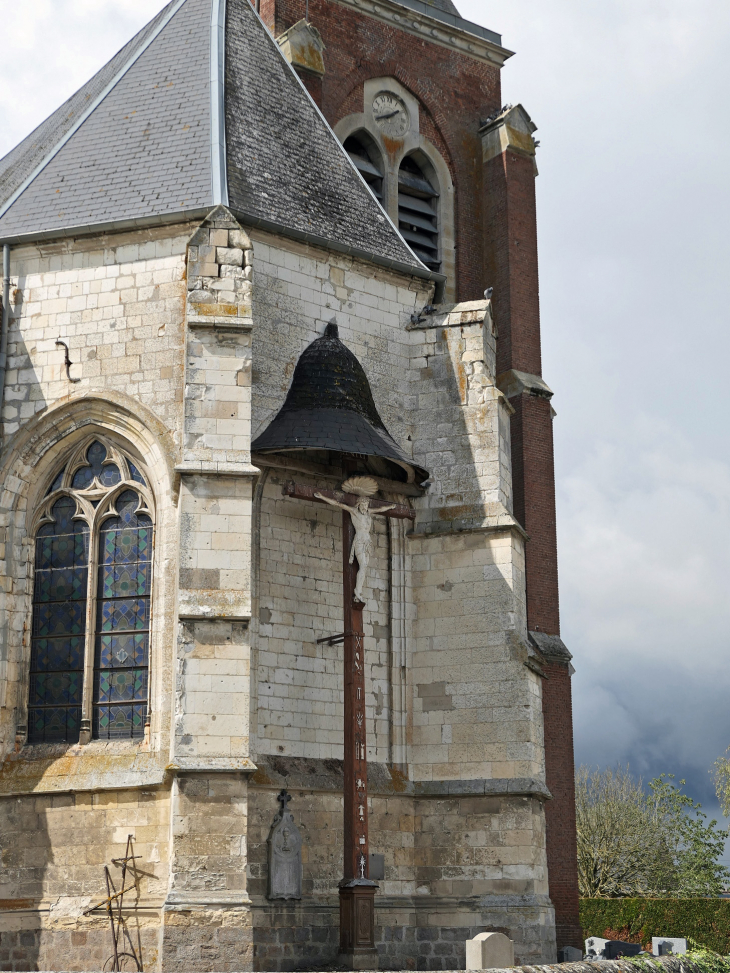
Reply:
x=391, y=114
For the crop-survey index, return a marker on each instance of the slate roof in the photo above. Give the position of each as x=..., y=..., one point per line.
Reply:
x=139, y=143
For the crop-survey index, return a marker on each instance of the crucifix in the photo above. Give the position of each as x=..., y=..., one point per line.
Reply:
x=357, y=891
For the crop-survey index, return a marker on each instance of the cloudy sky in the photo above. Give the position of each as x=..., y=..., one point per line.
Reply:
x=630, y=97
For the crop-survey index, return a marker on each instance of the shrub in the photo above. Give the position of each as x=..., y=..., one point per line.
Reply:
x=706, y=921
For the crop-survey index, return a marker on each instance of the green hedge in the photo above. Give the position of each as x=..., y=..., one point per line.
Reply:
x=636, y=920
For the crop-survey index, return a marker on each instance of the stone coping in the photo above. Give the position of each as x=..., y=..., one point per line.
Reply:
x=672, y=964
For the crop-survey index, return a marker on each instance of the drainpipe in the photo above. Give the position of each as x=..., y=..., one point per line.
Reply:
x=5, y=325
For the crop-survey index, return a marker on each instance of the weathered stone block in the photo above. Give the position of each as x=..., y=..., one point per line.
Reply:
x=229, y=256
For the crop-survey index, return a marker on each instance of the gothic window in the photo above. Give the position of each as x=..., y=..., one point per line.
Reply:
x=418, y=212
x=366, y=158
x=91, y=600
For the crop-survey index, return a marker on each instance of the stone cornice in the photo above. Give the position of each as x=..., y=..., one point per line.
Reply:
x=314, y=774
x=510, y=129
x=437, y=27
x=514, y=382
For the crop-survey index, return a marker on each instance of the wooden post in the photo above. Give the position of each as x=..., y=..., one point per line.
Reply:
x=357, y=892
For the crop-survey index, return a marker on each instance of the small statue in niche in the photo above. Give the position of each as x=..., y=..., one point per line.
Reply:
x=285, y=854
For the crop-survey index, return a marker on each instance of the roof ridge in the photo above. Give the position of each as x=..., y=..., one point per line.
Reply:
x=219, y=169
x=164, y=20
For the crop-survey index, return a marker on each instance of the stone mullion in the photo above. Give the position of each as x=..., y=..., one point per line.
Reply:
x=87, y=698
x=148, y=714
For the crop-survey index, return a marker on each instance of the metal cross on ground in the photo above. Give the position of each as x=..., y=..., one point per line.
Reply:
x=357, y=891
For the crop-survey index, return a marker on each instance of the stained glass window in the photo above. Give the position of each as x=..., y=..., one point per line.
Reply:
x=107, y=473
x=57, y=483
x=136, y=475
x=59, y=623
x=103, y=511
x=123, y=621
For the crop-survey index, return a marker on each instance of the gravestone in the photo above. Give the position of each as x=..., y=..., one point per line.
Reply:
x=616, y=948
x=595, y=946
x=285, y=854
x=569, y=954
x=489, y=951
x=666, y=946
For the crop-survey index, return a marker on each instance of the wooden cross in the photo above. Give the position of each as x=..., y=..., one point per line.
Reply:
x=357, y=892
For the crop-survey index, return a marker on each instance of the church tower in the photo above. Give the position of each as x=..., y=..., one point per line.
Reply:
x=413, y=91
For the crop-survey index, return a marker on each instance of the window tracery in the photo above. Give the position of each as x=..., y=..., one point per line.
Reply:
x=92, y=600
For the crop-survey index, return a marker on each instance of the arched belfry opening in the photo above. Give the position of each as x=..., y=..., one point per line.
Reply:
x=418, y=217
x=368, y=161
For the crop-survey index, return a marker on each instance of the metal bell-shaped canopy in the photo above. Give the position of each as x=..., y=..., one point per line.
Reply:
x=330, y=407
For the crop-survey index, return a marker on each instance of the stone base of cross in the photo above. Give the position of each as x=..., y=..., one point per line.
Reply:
x=357, y=891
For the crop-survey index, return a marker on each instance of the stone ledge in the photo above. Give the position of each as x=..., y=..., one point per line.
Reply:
x=214, y=765
x=202, y=899
x=80, y=768
x=511, y=787
x=204, y=467
x=454, y=316
x=551, y=647
x=208, y=605
x=437, y=27
x=220, y=323
x=498, y=520
x=324, y=902
x=307, y=773
x=513, y=383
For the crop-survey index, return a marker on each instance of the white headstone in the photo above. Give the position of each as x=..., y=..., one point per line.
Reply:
x=490, y=951
x=595, y=945
x=666, y=946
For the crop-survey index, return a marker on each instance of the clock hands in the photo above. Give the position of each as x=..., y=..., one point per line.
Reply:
x=387, y=114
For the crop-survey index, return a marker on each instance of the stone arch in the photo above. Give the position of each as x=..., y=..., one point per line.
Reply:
x=35, y=452
x=423, y=93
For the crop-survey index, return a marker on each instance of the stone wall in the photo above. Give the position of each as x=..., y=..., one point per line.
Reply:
x=300, y=683
x=118, y=303
x=54, y=851
x=454, y=866
x=205, y=324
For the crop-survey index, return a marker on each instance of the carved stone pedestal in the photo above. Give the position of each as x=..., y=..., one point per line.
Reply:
x=357, y=924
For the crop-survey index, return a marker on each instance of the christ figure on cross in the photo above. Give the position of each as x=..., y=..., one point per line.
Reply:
x=362, y=546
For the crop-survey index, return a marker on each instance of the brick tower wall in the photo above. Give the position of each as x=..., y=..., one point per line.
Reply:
x=455, y=92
